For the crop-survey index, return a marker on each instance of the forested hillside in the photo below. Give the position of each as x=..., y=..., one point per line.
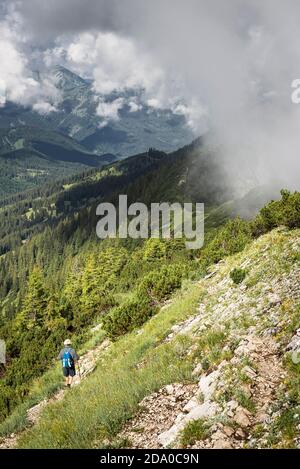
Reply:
x=213, y=368
x=31, y=157
x=58, y=279
x=121, y=285
x=192, y=173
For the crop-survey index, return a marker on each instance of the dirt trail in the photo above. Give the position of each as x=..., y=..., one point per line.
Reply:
x=270, y=374
x=164, y=410
x=157, y=414
x=87, y=364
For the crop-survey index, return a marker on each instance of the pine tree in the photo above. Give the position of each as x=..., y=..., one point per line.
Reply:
x=35, y=302
x=92, y=284
x=100, y=278
x=53, y=319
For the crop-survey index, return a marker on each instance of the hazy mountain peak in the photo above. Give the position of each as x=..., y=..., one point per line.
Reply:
x=66, y=79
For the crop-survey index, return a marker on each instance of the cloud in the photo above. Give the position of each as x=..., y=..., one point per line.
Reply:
x=226, y=65
x=115, y=65
x=109, y=110
x=43, y=107
x=134, y=106
x=17, y=82
x=113, y=62
x=194, y=113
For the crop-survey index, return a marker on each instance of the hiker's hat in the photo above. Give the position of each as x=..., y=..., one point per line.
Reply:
x=67, y=342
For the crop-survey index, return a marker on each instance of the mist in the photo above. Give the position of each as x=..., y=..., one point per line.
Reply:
x=227, y=66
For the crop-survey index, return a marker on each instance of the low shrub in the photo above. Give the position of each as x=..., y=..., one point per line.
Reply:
x=195, y=430
x=228, y=240
x=238, y=275
x=160, y=284
x=285, y=211
x=122, y=319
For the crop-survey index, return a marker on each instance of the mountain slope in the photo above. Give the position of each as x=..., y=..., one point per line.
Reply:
x=192, y=173
x=76, y=116
x=30, y=157
x=74, y=134
x=228, y=338
x=58, y=279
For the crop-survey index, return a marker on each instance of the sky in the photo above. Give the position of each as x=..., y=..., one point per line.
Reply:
x=226, y=66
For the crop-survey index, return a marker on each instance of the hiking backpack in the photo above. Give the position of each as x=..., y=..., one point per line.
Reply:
x=67, y=360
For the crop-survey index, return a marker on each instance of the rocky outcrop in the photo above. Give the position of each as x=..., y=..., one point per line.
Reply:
x=198, y=412
x=237, y=343
x=165, y=414
x=294, y=344
x=237, y=394
x=157, y=414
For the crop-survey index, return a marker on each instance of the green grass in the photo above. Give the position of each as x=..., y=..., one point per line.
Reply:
x=195, y=430
x=238, y=275
x=209, y=349
x=133, y=367
x=42, y=388
x=141, y=363
x=244, y=400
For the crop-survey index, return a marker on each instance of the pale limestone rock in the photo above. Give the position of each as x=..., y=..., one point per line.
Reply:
x=294, y=344
x=250, y=372
x=169, y=389
x=240, y=434
x=191, y=404
x=274, y=299
x=202, y=411
x=232, y=404
x=168, y=437
x=208, y=384
x=228, y=431
x=197, y=370
x=206, y=410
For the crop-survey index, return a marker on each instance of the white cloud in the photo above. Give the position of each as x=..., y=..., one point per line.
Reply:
x=228, y=63
x=43, y=107
x=114, y=62
x=153, y=102
x=54, y=56
x=109, y=110
x=134, y=106
x=17, y=82
x=195, y=113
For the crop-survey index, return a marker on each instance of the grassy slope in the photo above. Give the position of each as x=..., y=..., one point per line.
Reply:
x=42, y=388
x=118, y=384
x=139, y=364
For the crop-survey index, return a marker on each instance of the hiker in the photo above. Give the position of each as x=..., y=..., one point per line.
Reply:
x=68, y=358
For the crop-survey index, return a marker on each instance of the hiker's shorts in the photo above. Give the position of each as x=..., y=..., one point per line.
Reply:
x=69, y=372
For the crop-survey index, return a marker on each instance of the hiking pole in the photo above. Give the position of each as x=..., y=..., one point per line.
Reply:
x=79, y=374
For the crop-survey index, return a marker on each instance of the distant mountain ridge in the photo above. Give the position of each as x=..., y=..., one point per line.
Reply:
x=36, y=148
x=30, y=157
x=76, y=116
